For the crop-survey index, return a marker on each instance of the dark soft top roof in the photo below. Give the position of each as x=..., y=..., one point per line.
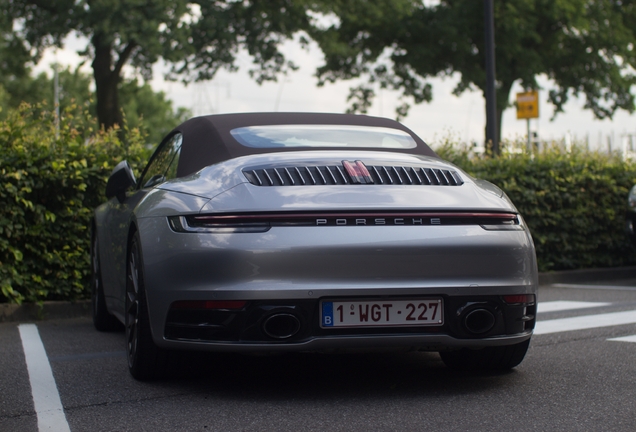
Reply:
x=207, y=139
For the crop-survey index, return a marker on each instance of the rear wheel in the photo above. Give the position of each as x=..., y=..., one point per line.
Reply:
x=102, y=319
x=145, y=360
x=490, y=358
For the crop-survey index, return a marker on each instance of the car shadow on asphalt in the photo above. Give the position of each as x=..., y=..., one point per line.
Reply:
x=315, y=375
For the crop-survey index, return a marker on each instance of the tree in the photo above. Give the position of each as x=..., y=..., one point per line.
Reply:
x=149, y=110
x=143, y=108
x=195, y=37
x=74, y=88
x=584, y=46
x=14, y=58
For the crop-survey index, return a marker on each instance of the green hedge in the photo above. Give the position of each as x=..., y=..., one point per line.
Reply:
x=48, y=189
x=574, y=202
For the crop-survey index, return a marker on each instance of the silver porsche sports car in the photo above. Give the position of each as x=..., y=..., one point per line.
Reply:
x=274, y=232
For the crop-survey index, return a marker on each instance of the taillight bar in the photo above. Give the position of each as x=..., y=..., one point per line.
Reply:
x=262, y=222
x=277, y=217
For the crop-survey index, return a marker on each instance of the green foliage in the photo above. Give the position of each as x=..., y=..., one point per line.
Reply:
x=149, y=111
x=574, y=203
x=585, y=47
x=73, y=84
x=48, y=188
x=196, y=38
x=14, y=55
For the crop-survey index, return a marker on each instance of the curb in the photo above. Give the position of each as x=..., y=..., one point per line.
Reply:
x=61, y=309
x=587, y=275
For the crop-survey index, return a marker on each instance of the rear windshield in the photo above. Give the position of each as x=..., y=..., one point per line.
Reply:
x=322, y=136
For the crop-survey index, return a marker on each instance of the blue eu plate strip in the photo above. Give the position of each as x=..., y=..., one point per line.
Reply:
x=327, y=314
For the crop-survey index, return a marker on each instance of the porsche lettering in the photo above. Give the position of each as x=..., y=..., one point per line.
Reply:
x=377, y=221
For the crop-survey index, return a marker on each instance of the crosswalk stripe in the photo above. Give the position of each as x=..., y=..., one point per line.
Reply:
x=585, y=322
x=562, y=305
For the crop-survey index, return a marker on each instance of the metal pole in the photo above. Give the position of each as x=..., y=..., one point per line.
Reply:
x=56, y=99
x=529, y=142
x=491, y=95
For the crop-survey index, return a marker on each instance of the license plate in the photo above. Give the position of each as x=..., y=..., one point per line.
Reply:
x=382, y=313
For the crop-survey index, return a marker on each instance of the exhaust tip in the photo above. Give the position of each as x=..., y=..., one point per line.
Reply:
x=281, y=326
x=479, y=321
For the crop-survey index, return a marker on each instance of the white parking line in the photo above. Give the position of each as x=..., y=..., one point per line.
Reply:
x=597, y=287
x=46, y=399
x=624, y=339
x=585, y=322
x=563, y=305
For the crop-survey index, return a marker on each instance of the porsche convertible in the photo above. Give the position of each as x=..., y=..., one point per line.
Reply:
x=279, y=232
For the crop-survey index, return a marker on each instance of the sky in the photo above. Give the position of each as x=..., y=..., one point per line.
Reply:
x=461, y=118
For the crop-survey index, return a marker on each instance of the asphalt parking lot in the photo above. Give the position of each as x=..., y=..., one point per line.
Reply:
x=579, y=374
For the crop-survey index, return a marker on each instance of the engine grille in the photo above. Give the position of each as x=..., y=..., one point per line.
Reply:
x=319, y=175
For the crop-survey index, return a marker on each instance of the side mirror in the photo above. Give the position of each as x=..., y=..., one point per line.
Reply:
x=119, y=181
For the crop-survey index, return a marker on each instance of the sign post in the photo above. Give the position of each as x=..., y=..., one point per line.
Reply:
x=527, y=108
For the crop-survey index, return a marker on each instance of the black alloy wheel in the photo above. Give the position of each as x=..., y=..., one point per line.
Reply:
x=145, y=360
x=496, y=358
x=102, y=319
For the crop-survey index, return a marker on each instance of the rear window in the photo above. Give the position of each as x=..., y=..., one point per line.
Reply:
x=322, y=136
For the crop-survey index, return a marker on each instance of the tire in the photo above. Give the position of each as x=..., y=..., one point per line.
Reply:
x=102, y=319
x=498, y=358
x=146, y=361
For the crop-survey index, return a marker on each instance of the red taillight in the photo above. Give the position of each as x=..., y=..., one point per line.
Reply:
x=209, y=304
x=519, y=298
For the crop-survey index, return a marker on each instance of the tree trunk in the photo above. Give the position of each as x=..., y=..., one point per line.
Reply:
x=106, y=81
x=107, y=74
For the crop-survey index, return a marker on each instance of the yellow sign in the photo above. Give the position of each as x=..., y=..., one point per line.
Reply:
x=528, y=105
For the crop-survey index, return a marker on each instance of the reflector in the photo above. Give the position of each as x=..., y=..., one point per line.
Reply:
x=519, y=298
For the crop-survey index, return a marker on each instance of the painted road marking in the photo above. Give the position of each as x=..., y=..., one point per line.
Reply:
x=46, y=399
x=624, y=339
x=597, y=287
x=585, y=322
x=582, y=322
x=563, y=305
x=87, y=356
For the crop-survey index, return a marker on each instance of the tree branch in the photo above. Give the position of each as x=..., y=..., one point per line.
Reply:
x=124, y=56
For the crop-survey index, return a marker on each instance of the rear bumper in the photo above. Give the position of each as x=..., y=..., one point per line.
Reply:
x=248, y=328
x=296, y=267
x=428, y=342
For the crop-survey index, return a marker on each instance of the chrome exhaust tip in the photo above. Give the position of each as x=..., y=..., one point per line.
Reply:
x=281, y=326
x=479, y=321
